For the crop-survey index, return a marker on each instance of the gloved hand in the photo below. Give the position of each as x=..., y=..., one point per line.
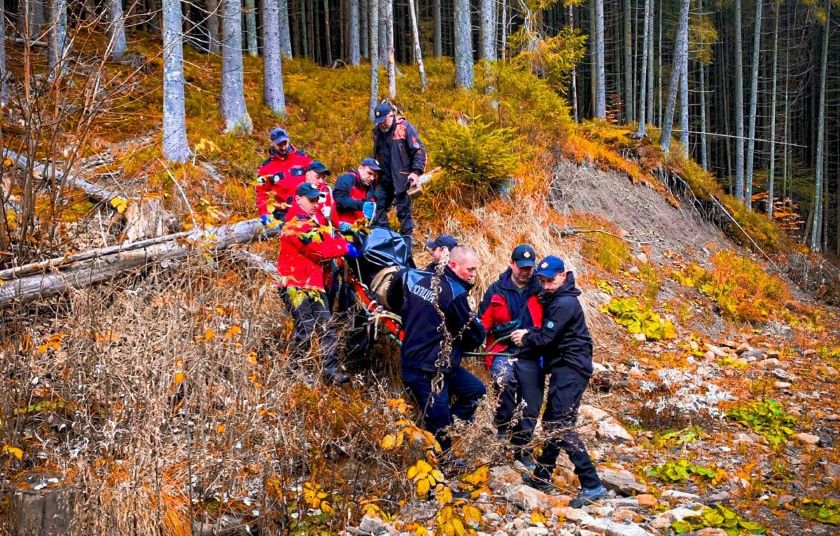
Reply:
x=368, y=209
x=345, y=227
x=264, y=220
x=279, y=214
x=352, y=252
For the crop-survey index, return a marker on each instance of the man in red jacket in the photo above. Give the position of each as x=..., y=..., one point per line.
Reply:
x=278, y=177
x=316, y=175
x=354, y=192
x=305, y=246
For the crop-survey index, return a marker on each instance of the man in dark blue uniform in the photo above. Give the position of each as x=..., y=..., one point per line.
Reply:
x=430, y=357
x=566, y=346
x=397, y=147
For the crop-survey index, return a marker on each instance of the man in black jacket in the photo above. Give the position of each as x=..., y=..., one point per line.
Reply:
x=397, y=147
x=566, y=346
x=430, y=357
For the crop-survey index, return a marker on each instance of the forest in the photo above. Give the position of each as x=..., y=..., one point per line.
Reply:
x=682, y=157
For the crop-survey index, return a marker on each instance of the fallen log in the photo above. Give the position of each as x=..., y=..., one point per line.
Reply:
x=105, y=264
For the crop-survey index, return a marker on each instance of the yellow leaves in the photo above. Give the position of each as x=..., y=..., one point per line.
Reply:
x=206, y=146
x=450, y=522
x=232, y=332
x=423, y=487
x=120, y=204
x=315, y=497
x=220, y=428
x=209, y=334
x=252, y=358
x=425, y=477
x=53, y=342
x=7, y=162
x=443, y=494
x=392, y=441
x=178, y=378
x=14, y=451
x=472, y=515
x=398, y=404
x=537, y=517
x=478, y=477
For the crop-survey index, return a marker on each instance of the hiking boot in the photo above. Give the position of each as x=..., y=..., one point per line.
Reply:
x=533, y=481
x=525, y=460
x=336, y=378
x=589, y=496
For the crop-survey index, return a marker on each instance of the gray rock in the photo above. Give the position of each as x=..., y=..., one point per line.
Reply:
x=533, y=531
x=612, y=528
x=753, y=355
x=786, y=499
x=502, y=477
x=807, y=439
x=782, y=385
x=783, y=375
x=622, y=502
x=592, y=413
x=674, y=495
x=528, y=498
x=611, y=430
x=832, y=470
x=768, y=363
x=664, y=520
x=719, y=497
x=372, y=525
x=621, y=481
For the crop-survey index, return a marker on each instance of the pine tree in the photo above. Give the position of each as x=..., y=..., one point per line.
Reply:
x=598, y=47
x=680, y=56
x=3, y=89
x=771, y=177
x=272, y=63
x=463, y=45
x=116, y=29
x=212, y=9
x=233, y=87
x=816, y=227
x=488, y=29
x=646, y=44
x=251, y=27
x=175, y=147
x=58, y=38
x=437, y=38
x=418, y=53
x=739, y=106
x=355, y=49
x=748, y=175
x=285, y=31
x=374, y=55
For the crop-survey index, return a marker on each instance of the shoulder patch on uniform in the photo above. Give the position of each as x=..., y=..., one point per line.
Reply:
x=549, y=324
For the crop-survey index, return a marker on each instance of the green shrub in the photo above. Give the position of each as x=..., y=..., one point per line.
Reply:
x=822, y=510
x=641, y=319
x=766, y=418
x=476, y=158
x=680, y=470
x=718, y=516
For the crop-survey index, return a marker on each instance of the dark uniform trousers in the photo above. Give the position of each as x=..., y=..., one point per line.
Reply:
x=565, y=390
x=312, y=319
x=386, y=196
x=438, y=409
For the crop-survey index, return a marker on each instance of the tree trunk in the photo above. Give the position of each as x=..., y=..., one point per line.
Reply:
x=680, y=56
x=436, y=29
x=285, y=29
x=327, y=42
x=463, y=45
x=214, y=41
x=233, y=88
x=104, y=266
x=355, y=46
x=175, y=147
x=392, y=60
x=684, y=125
x=272, y=62
x=748, y=175
x=704, y=156
x=629, y=95
x=58, y=38
x=383, y=33
x=304, y=30
x=374, y=55
x=646, y=44
x=739, y=106
x=251, y=27
x=771, y=175
x=575, y=114
x=649, y=31
x=33, y=11
x=364, y=28
x=816, y=229
x=600, y=79
x=116, y=29
x=488, y=30
x=660, y=108
x=418, y=53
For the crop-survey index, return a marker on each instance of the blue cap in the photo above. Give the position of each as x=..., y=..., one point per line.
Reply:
x=372, y=163
x=318, y=167
x=380, y=113
x=524, y=255
x=551, y=266
x=443, y=241
x=307, y=190
x=278, y=135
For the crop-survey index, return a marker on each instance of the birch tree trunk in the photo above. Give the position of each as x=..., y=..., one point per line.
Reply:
x=680, y=56
x=646, y=44
x=748, y=175
x=600, y=79
x=251, y=27
x=816, y=229
x=739, y=106
x=58, y=38
x=463, y=45
x=629, y=93
x=374, y=55
x=436, y=29
x=488, y=30
x=272, y=62
x=285, y=30
x=214, y=42
x=233, y=88
x=418, y=53
x=771, y=175
x=175, y=147
x=355, y=46
x=116, y=29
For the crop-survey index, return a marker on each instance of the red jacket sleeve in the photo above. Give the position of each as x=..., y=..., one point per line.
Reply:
x=262, y=190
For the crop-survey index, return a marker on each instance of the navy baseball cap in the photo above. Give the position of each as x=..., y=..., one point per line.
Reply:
x=551, y=266
x=524, y=255
x=372, y=163
x=443, y=241
x=380, y=113
x=318, y=167
x=307, y=190
x=279, y=135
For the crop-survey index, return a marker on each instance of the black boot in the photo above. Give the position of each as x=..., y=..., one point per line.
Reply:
x=335, y=377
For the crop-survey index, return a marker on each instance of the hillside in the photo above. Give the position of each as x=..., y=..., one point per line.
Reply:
x=163, y=401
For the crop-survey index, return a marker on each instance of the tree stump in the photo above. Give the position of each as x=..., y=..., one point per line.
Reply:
x=41, y=513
